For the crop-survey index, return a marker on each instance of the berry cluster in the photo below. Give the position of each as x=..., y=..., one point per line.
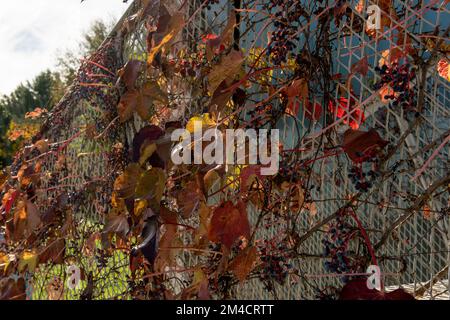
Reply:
x=335, y=246
x=187, y=68
x=287, y=14
x=362, y=176
x=398, y=77
x=275, y=265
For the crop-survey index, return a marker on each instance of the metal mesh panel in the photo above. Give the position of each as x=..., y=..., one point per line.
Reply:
x=421, y=243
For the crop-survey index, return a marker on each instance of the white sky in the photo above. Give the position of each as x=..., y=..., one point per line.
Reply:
x=33, y=32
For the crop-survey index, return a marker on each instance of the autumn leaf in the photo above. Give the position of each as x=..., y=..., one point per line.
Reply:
x=146, y=136
x=175, y=25
x=36, y=113
x=361, y=67
x=358, y=290
x=189, y=199
x=151, y=185
x=204, y=121
x=125, y=184
x=127, y=105
x=116, y=223
x=129, y=73
x=53, y=252
x=9, y=199
x=343, y=108
x=167, y=247
x=359, y=144
x=249, y=175
x=297, y=92
x=244, y=263
x=11, y=289
x=226, y=69
x=42, y=146
x=204, y=214
x=228, y=223
x=444, y=69
x=28, y=260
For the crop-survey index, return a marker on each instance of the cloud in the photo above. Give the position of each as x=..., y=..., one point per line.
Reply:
x=32, y=33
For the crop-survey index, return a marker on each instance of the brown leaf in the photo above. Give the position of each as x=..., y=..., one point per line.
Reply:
x=116, y=223
x=130, y=72
x=361, y=67
x=55, y=289
x=127, y=105
x=11, y=289
x=125, y=184
x=228, y=223
x=244, y=263
x=167, y=248
x=54, y=252
x=42, y=146
x=167, y=30
x=189, y=198
x=297, y=92
x=358, y=144
x=227, y=69
x=201, y=233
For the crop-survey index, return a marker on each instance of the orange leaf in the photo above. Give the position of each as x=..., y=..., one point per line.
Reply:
x=228, y=223
x=244, y=263
x=444, y=69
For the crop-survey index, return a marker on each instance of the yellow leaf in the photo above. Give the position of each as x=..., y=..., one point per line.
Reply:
x=175, y=25
x=139, y=207
x=147, y=152
x=203, y=121
x=28, y=260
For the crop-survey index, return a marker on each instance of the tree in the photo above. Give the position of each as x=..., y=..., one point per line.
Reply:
x=44, y=91
x=69, y=62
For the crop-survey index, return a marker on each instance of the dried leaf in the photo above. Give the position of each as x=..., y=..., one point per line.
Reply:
x=359, y=144
x=228, y=223
x=125, y=184
x=227, y=69
x=444, y=69
x=244, y=263
x=127, y=105
x=130, y=72
x=42, y=146
x=151, y=185
x=361, y=67
x=53, y=252
x=174, y=26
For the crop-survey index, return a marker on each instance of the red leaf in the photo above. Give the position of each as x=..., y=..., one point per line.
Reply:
x=361, y=67
x=313, y=112
x=341, y=112
x=358, y=290
x=130, y=72
x=9, y=199
x=228, y=223
x=360, y=144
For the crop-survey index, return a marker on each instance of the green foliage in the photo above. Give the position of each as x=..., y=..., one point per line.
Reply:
x=69, y=62
x=44, y=91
